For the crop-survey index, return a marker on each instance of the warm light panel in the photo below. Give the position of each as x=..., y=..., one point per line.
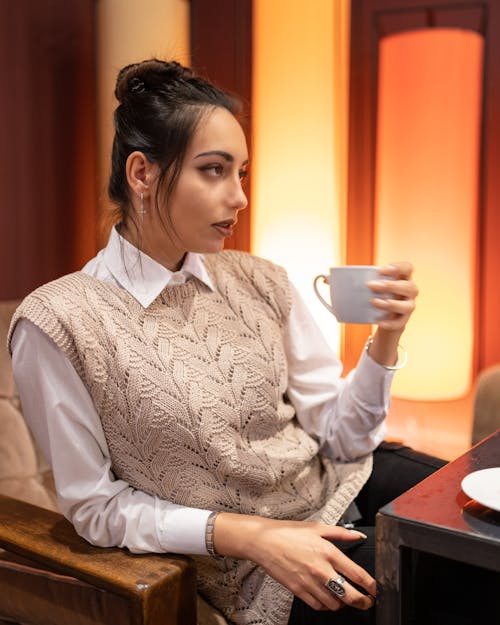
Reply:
x=127, y=32
x=429, y=115
x=298, y=162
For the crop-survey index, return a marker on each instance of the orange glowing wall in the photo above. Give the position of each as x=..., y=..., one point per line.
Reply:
x=299, y=109
x=426, y=196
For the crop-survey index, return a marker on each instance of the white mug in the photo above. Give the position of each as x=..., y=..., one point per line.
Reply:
x=349, y=294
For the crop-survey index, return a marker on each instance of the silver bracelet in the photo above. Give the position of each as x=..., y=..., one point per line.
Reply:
x=402, y=356
x=209, y=534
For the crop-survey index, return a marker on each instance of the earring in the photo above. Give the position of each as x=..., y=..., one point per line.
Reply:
x=142, y=210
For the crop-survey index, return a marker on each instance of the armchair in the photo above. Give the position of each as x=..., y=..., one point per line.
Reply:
x=51, y=576
x=486, y=403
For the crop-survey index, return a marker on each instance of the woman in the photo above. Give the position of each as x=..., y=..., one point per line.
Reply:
x=183, y=395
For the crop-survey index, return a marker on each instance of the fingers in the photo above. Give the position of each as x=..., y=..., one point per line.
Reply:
x=340, y=561
x=395, y=308
x=354, y=597
x=319, y=597
x=355, y=574
x=349, y=570
x=401, y=289
x=398, y=295
x=401, y=270
x=337, y=532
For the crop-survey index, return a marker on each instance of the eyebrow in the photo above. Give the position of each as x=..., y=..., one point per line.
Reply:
x=225, y=155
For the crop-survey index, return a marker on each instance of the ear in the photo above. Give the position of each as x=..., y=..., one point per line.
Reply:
x=140, y=172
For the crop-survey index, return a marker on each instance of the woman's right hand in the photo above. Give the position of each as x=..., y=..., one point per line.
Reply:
x=299, y=555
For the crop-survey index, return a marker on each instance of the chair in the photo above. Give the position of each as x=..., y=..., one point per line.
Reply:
x=486, y=404
x=51, y=576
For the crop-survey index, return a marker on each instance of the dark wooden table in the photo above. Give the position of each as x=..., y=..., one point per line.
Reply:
x=433, y=532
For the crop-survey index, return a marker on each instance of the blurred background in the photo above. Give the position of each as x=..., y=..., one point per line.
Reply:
x=373, y=126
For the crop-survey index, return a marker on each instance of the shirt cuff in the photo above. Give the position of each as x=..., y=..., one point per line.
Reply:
x=181, y=529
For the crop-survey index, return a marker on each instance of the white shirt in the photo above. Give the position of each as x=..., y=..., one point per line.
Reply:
x=346, y=415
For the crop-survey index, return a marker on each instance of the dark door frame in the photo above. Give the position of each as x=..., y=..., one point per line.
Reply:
x=221, y=50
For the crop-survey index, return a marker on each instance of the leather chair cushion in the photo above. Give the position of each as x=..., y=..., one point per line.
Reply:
x=7, y=386
x=22, y=474
x=486, y=404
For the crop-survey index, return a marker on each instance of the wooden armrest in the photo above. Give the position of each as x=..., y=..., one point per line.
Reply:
x=47, y=538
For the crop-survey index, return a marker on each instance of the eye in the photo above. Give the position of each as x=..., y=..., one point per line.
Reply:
x=214, y=169
x=243, y=173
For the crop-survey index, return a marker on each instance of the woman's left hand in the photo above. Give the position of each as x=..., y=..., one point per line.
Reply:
x=402, y=293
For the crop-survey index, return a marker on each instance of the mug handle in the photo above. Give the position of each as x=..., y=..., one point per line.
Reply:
x=320, y=297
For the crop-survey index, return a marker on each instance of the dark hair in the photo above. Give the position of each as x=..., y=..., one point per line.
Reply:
x=160, y=106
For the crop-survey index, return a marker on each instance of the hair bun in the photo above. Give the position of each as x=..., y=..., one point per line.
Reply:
x=149, y=76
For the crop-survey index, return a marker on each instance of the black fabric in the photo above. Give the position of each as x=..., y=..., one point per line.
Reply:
x=396, y=468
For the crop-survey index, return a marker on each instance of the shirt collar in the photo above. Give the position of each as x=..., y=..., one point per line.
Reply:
x=142, y=276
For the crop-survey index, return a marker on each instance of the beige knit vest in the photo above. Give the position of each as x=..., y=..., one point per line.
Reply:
x=191, y=394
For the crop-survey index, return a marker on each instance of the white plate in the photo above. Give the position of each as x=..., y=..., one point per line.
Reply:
x=484, y=487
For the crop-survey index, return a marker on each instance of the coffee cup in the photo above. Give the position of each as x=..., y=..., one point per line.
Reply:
x=349, y=295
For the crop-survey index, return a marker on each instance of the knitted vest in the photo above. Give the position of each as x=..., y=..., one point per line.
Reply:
x=191, y=394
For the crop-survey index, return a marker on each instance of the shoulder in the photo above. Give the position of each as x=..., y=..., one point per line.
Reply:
x=57, y=305
x=56, y=295
x=45, y=295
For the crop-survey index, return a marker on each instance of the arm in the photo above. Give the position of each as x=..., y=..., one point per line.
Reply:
x=105, y=511
x=346, y=415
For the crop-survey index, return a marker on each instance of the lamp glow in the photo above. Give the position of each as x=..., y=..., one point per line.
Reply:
x=429, y=115
x=299, y=160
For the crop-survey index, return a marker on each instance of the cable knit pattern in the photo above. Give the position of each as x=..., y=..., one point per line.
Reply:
x=192, y=396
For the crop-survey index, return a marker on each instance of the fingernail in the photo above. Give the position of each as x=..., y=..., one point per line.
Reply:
x=360, y=534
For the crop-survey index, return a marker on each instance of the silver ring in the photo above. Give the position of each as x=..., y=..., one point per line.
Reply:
x=336, y=586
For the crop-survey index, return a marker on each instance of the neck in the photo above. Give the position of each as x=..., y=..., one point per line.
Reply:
x=139, y=239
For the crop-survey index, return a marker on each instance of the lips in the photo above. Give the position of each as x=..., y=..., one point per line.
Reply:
x=225, y=227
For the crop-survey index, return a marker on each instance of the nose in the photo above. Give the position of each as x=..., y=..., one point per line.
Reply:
x=239, y=199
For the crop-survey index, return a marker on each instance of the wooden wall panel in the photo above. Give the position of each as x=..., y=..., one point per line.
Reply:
x=488, y=318
x=47, y=126
x=221, y=50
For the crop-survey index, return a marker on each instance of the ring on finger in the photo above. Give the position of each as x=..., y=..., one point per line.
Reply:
x=336, y=586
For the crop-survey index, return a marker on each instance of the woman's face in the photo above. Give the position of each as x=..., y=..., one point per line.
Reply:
x=203, y=207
